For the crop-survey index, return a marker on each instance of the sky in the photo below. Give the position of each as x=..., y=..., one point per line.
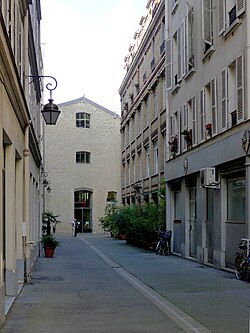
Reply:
x=84, y=44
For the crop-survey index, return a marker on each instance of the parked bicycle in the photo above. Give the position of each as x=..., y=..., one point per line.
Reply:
x=242, y=260
x=163, y=243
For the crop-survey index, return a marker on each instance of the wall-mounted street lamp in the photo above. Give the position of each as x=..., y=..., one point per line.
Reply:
x=46, y=184
x=50, y=110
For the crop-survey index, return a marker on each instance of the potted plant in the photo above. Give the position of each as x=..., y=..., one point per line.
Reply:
x=173, y=144
x=49, y=220
x=49, y=244
x=187, y=133
x=209, y=130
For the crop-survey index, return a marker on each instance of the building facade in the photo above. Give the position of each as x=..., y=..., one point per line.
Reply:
x=20, y=134
x=143, y=109
x=207, y=169
x=82, y=159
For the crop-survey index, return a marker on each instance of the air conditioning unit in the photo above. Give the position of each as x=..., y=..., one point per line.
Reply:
x=207, y=176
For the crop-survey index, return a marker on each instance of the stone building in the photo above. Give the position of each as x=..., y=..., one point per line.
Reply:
x=207, y=169
x=185, y=117
x=143, y=105
x=20, y=151
x=82, y=159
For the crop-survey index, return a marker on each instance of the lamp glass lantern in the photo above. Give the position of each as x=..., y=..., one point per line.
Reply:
x=50, y=110
x=50, y=113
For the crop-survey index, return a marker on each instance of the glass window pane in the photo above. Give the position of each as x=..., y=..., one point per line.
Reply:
x=210, y=204
x=236, y=203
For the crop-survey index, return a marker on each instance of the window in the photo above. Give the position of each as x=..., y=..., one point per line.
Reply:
x=191, y=114
x=139, y=125
x=147, y=161
x=210, y=205
x=175, y=129
x=140, y=166
x=133, y=170
x=82, y=157
x=162, y=46
x=232, y=94
x=128, y=173
x=207, y=24
x=229, y=12
x=208, y=105
x=156, y=102
x=169, y=69
x=236, y=200
x=111, y=197
x=189, y=40
x=153, y=55
x=156, y=157
x=183, y=49
x=83, y=120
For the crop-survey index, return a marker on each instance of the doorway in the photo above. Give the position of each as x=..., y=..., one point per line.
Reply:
x=192, y=221
x=83, y=210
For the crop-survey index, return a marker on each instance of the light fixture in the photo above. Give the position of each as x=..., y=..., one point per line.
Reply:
x=50, y=110
x=46, y=184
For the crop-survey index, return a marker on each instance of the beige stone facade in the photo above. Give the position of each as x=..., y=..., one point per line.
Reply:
x=83, y=163
x=20, y=150
x=144, y=109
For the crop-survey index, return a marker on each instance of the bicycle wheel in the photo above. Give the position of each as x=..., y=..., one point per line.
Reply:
x=158, y=248
x=239, y=268
x=165, y=251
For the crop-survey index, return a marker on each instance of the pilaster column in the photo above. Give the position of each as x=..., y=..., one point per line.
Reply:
x=10, y=222
x=247, y=196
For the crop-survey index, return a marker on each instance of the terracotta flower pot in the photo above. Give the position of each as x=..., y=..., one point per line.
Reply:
x=49, y=252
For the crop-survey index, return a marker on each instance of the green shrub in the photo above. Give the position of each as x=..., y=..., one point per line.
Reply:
x=139, y=222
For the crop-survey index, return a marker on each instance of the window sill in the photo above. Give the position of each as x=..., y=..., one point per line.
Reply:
x=208, y=53
x=176, y=88
x=229, y=31
x=189, y=74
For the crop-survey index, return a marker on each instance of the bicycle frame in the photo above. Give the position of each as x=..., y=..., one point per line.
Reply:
x=242, y=260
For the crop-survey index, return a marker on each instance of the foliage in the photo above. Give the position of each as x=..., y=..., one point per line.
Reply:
x=49, y=241
x=49, y=220
x=140, y=222
x=162, y=204
x=173, y=144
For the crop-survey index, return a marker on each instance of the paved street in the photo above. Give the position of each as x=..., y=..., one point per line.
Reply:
x=99, y=284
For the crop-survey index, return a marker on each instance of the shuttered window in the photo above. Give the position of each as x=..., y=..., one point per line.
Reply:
x=221, y=16
x=189, y=47
x=169, y=64
x=214, y=106
x=232, y=94
x=194, y=122
x=202, y=114
x=240, y=88
x=207, y=24
x=227, y=14
x=224, y=99
x=240, y=7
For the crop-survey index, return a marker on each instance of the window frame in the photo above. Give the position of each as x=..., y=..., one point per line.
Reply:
x=83, y=157
x=84, y=121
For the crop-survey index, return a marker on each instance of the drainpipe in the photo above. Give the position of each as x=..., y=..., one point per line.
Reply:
x=27, y=273
x=169, y=198
x=246, y=101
